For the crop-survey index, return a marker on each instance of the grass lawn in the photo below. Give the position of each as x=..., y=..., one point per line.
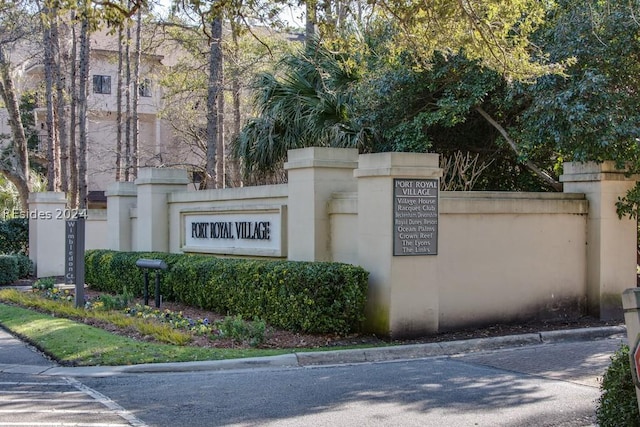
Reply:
x=74, y=343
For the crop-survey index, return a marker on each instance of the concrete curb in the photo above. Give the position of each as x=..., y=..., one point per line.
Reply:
x=281, y=361
x=337, y=357
x=583, y=334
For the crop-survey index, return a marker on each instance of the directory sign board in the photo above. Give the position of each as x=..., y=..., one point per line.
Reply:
x=415, y=216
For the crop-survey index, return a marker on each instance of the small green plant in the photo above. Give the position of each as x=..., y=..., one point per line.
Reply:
x=237, y=328
x=113, y=302
x=618, y=406
x=43, y=284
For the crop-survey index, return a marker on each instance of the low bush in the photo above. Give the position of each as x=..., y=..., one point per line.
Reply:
x=315, y=297
x=44, y=283
x=14, y=236
x=8, y=269
x=25, y=265
x=618, y=406
x=14, y=267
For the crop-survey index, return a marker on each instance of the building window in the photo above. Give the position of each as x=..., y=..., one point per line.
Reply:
x=102, y=84
x=144, y=89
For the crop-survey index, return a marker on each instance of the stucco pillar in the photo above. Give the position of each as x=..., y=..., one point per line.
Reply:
x=153, y=185
x=611, y=241
x=313, y=175
x=47, y=215
x=121, y=197
x=402, y=300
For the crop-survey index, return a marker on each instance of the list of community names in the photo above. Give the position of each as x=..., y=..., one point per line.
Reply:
x=415, y=217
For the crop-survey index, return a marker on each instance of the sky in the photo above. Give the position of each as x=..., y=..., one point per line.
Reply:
x=291, y=15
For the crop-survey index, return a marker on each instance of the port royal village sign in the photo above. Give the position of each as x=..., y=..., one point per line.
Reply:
x=257, y=232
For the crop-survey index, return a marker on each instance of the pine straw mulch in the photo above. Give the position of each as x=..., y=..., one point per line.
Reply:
x=281, y=339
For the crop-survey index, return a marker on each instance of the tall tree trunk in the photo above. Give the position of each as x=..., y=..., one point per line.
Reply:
x=311, y=20
x=135, y=123
x=15, y=167
x=127, y=96
x=83, y=89
x=213, y=92
x=119, y=90
x=53, y=159
x=73, y=145
x=61, y=112
x=233, y=169
x=221, y=162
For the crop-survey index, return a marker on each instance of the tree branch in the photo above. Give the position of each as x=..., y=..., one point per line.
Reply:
x=544, y=175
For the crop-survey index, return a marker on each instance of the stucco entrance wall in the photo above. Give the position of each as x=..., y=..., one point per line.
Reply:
x=511, y=257
x=502, y=257
x=484, y=257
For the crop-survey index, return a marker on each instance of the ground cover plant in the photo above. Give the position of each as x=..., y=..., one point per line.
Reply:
x=77, y=344
x=183, y=326
x=108, y=334
x=157, y=341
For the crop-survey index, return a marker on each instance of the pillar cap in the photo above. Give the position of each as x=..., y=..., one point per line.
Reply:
x=166, y=176
x=399, y=165
x=594, y=171
x=121, y=189
x=631, y=299
x=322, y=157
x=48, y=197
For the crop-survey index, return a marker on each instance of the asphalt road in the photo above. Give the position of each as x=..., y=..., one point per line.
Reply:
x=550, y=384
x=545, y=385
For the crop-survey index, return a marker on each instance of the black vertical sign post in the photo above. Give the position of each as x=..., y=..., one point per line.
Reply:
x=70, y=239
x=74, y=256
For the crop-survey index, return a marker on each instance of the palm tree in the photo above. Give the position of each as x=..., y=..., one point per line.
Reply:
x=309, y=103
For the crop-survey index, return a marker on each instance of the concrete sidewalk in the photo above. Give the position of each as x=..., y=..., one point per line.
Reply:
x=18, y=357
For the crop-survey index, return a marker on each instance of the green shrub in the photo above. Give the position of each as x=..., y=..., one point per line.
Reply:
x=237, y=328
x=44, y=283
x=14, y=236
x=115, y=302
x=315, y=297
x=8, y=269
x=618, y=406
x=25, y=265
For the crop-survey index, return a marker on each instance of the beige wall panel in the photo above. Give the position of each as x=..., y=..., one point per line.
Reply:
x=508, y=267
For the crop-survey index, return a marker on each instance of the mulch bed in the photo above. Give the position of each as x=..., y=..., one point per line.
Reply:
x=277, y=338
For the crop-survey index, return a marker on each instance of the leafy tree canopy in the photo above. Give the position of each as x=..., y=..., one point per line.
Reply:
x=495, y=32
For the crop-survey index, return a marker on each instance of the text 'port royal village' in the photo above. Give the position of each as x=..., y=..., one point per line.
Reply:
x=251, y=230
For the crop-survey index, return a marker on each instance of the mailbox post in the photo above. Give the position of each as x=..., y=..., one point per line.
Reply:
x=151, y=264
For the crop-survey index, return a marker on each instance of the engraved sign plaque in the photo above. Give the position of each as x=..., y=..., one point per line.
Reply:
x=415, y=217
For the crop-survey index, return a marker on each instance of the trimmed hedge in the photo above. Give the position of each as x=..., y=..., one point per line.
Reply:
x=14, y=267
x=8, y=269
x=25, y=265
x=14, y=236
x=314, y=297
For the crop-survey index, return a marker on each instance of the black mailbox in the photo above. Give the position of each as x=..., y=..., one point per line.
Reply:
x=151, y=264
x=155, y=264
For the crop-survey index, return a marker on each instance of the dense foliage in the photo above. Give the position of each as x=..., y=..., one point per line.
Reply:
x=618, y=405
x=8, y=269
x=14, y=267
x=14, y=236
x=446, y=95
x=298, y=296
